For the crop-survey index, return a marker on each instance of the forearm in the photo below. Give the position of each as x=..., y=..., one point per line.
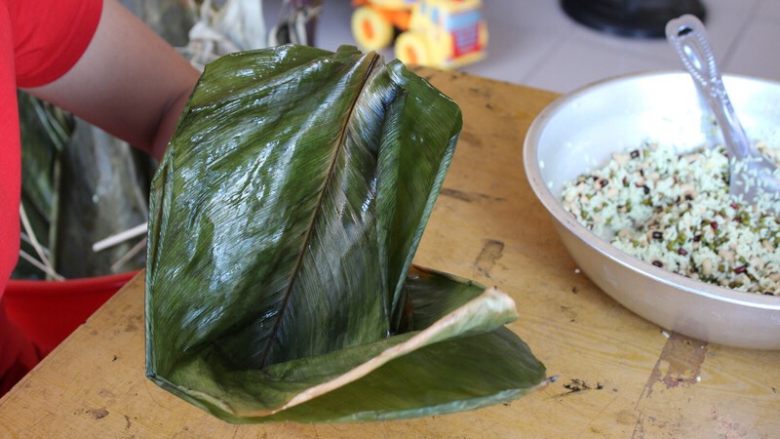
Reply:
x=129, y=82
x=167, y=125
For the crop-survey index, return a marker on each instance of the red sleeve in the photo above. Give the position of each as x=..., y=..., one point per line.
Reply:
x=50, y=36
x=40, y=40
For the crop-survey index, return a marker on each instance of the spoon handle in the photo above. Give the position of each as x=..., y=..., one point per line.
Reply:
x=689, y=39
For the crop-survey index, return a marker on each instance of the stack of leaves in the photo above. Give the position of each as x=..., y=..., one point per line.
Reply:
x=284, y=219
x=45, y=132
x=79, y=185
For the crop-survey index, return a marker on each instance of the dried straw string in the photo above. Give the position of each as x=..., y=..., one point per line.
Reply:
x=35, y=263
x=137, y=248
x=45, y=265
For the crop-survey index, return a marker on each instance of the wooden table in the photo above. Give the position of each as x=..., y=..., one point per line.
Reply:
x=618, y=375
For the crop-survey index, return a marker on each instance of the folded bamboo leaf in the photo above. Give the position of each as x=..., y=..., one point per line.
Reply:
x=284, y=219
x=383, y=380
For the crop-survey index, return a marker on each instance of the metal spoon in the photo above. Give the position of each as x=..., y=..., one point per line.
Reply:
x=752, y=174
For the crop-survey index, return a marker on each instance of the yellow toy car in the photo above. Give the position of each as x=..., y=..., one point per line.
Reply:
x=436, y=33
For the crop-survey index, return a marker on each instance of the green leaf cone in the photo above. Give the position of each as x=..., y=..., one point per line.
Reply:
x=284, y=219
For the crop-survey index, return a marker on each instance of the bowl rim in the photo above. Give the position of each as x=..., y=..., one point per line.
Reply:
x=567, y=220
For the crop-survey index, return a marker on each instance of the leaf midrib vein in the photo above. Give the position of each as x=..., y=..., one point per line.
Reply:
x=317, y=208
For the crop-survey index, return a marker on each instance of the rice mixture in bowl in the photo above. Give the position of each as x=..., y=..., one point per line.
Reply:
x=675, y=212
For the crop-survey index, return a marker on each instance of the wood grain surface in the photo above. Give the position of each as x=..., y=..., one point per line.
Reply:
x=618, y=376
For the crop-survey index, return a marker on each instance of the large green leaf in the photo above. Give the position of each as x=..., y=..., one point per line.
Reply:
x=284, y=219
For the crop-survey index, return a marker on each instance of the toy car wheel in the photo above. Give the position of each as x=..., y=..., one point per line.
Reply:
x=370, y=29
x=412, y=49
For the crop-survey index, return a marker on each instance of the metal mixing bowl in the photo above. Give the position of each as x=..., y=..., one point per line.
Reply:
x=580, y=131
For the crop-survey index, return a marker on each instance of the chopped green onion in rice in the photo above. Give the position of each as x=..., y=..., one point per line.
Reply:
x=674, y=211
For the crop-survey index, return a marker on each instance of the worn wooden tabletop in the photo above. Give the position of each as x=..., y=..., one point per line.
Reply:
x=618, y=375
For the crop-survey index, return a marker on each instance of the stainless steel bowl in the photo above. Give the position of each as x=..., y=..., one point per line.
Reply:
x=580, y=131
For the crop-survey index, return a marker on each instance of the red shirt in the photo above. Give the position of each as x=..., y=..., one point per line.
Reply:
x=40, y=40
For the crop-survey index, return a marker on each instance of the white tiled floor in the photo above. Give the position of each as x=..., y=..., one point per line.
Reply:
x=533, y=42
